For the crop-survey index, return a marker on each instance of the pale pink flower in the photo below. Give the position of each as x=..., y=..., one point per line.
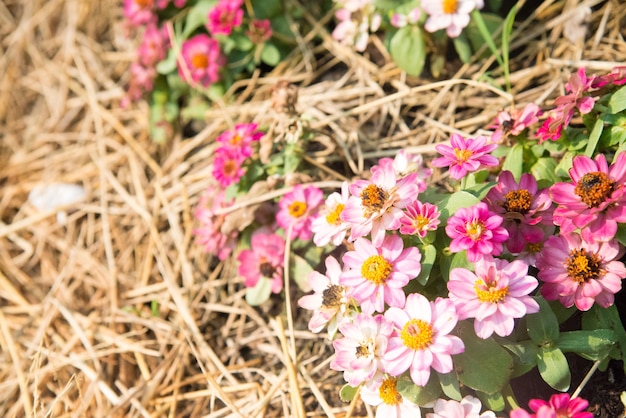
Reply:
x=139, y=12
x=515, y=122
x=328, y=226
x=477, y=230
x=421, y=339
x=388, y=401
x=153, y=46
x=559, y=406
x=359, y=353
x=357, y=19
x=141, y=81
x=241, y=138
x=527, y=212
x=577, y=85
x=210, y=233
x=376, y=205
x=228, y=166
x=329, y=302
x=298, y=209
x=468, y=407
x=224, y=16
x=452, y=16
x=578, y=272
x=405, y=163
x=595, y=200
x=202, y=58
x=465, y=155
x=264, y=259
x=419, y=218
x=495, y=294
x=259, y=31
x=400, y=20
x=377, y=275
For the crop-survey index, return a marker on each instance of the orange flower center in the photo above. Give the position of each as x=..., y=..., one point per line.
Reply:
x=144, y=4
x=517, y=201
x=594, y=188
x=373, y=198
x=376, y=269
x=333, y=218
x=388, y=392
x=583, y=266
x=489, y=292
x=449, y=6
x=230, y=168
x=417, y=334
x=199, y=61
x=297, y=209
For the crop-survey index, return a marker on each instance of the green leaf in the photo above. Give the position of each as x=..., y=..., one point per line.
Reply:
x=293, y=157
x=514, y=161
x=480, y=32
x=607, y=318
x=270, y=54
x=525, y=356
x=451, y=203
x=545, y=169
x=463, y=47
x=553, y=368
x=450, y=385
x=260, y=293
x=493, y=402
x=408, y=49
x=594, y=137
x=419, y=395
x=562, y=168
x=429, y=254
x=543, y=326
x=507, y=29
x=617, y=102
x=299, y=271
x=594, y=344
x=621, y=234
x=347, y=392
x=168, y=64
x=197, y=16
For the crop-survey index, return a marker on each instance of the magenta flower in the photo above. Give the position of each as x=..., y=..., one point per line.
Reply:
x=228, y=166
x=617, y=77
x=419, y=218
x=388, y=401
x=139, y=12
x=527, y=212
x=469, y=407
x=259, y=31
x=359, y=353
x=329, y=302
x=226, y=15
x=241, y=138
x=578, y=272
x=298, y=209
x=577, y=85
x=495, y=294
x=559, y=406
x=452, y=16
x=477, y=230
x=264, y=260
x=595, y=201
x=376, y=205
x=328, y=226
x=515, y=122
x=153, y=46
x=465, y=155
x=421, y=340
x=202, y=60
x=141, y=81
x=210, y=233
x=550, y=130
x=377, y=276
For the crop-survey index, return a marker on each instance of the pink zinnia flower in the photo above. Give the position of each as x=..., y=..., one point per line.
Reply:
x=139, y=12
x=477, y=230
x=419, y=218
x=241, y=138
x=595, y=201
x=376, y=205
x=469, y=407
x=515, y=122
x=263, y=261
x=578, y=272
x=226, y=15
x=578, y=84
x=388, y=401
x=329, y=302
x=259, y=31
x=298, y=209
x=210, y=233
x=328, y=226
x=421, y=340
x=202, y=59
x=359, y=353
x=465, y=155
x=141, y=81
x=377, y=275
x=495, y=294
x=227, y=166
x=153, y=46
x=560, y=406
x=617, y=77
x=452, y=16
x=526, y=211
x=550, y=130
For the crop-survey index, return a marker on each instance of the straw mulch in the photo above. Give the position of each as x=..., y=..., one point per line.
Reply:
x=118, y=312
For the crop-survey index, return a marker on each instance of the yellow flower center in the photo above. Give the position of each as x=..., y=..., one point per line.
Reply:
x=376, y=269
x=333, y=218
x=594, y=188
x=517, y=201
x=373, y=198
x=297, y=209
x=474, y=230
x=462, y=154
x=331, y=296
x=583, y=266
x=236, y=139
x=417, y=334
x=449, y=6
x=199, y=61
x=388, y=391
x=420, y=222
x=489, y=292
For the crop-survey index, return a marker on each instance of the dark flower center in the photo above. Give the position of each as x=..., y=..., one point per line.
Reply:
x=583, y=266
x=594, y=188
x=517, y=201
x=373, y=198
x=331, y=297
x=267, y=269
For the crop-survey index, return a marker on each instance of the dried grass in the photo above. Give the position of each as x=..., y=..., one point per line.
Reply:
x=118, y=313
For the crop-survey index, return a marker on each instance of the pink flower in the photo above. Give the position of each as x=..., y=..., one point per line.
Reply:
x=377, y=275
x=495, y=294
x=359, y=353
x=527, y=213
x=469, y=407
x=141, y=81
x=400, y=20
x=452, y=16
x=329, y=302
x=357, y=18
x=139, y=12
x=595, y=201
x=202, y=60
x=577, y=85
x=376, y=205
x=559, y=406
x=241, y=138
x=298, y=209
x=225, y=16
x=264, y=260
x=515, y=122
x=227, y=166
x=388, y=401
x=153, y=46
x=259, y=31
x=328, y=226
x=551, y=130
x=162, y=4
x=617, y=77
x=405, y=164
x=210, y=233
x=419, y=218
x=421, y=339
x=578, y=272
x=477, y=230
x=465, y=155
